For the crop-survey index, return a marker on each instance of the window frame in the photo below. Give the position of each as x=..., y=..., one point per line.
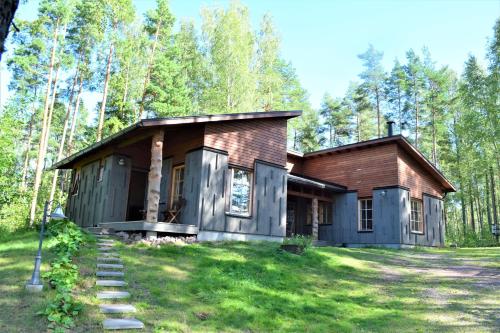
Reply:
x=229, y=210
x=360, y=215
x=326, y=207
x=420, y=215
x=174, y=183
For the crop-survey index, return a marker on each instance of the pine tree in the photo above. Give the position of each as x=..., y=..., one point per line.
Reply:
x=373, y=81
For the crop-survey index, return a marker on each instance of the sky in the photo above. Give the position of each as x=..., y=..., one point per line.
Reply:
x=323, y=38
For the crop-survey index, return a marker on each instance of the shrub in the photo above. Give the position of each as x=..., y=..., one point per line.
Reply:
x=300, y=240
x=63, y=274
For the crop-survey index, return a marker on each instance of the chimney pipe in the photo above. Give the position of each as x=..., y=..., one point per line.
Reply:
x=390, y=128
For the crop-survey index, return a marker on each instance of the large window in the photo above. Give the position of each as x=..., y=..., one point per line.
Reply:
x=365, y=216
x=416, y=221
x=241, y=192
x=177, y=186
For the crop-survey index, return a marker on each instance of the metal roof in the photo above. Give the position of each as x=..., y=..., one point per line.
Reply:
x=173, y=121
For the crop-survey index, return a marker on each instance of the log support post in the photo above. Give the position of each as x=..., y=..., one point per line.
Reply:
x=154, y=179
x=315, y=221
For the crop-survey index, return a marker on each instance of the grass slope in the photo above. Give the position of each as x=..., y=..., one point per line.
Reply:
x=254, y=287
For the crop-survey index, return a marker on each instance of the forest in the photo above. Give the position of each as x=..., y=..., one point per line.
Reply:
x=154, y=66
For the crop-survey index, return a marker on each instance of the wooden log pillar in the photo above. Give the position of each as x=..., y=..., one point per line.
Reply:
x=154, y=178
x=315, y=220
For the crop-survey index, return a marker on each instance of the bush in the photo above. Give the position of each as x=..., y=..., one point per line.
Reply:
x=63, y=274
x=300, y=240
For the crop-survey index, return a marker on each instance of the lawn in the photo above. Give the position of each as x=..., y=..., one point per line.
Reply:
x=18, y=308
x=254, y=287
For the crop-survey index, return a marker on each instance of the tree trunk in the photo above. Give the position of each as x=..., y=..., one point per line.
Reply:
x=125, y=89
x=315, y=221
x=41, y=152
x=28, y=149
x=51, y=112
x=493, y=199
x=378, y=110
x=74, y=118
x=104, y=94
x=434, y=143
x=416, y=116
x=149, y=68
x=154, y=177
x=63, y=137
x=471, y=202
x=488, y=198
x=358, y=125
x=7, y=11
x=400, y=113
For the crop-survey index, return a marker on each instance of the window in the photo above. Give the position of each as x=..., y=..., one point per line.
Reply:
x=365, y=215
x=416, y=222
x=241, y=191
x=324, y=212
x=76, y=184
x=100, y=174
x=177, y=186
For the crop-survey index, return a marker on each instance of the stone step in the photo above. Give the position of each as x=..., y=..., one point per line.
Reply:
x=119, y=266
x=109, y=254
x=108, y=273
x=110, y=283
x=117, y=308
x=109, y=259
x=122, y=324
x=107, y=243
x=105, y=248
x=111, y=294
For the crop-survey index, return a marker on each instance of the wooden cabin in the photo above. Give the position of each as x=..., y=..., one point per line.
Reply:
x=230, y=176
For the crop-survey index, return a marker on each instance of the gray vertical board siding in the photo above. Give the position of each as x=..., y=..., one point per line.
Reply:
x=214, y=167
x=386, y=223
x=325, y=232
x=191, y=191
x=404, y=216
x=269, y=195
x=433, y=220
x=345, y=218
x=165, y=187
x=118, y=186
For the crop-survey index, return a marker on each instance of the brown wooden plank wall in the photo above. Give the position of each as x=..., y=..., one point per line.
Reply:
x=248, y=140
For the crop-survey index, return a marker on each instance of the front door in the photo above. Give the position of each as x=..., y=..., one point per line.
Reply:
x=290, y=218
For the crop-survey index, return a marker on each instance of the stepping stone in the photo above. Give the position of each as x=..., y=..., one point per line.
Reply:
x=119, y=266
x=105, y=244
x=117, y=308
x=110, y=283
x=107, y=248
x=109, y=259
x=113, y=294
x=109, y=254
x=122, y=324
x=108, y=273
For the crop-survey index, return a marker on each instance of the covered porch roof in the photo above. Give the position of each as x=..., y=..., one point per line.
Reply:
x=316, y=183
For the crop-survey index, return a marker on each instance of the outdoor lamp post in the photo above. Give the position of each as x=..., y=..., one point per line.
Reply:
x=35, y=285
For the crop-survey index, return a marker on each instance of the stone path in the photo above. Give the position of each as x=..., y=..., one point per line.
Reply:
x=109, y=280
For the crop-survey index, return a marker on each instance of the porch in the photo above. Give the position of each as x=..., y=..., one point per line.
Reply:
x=172, y=228
x=310, y=207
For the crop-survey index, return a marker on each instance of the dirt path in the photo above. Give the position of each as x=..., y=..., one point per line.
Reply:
x=464, y=292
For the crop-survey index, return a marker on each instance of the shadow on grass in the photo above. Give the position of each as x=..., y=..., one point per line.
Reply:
x=254, y=287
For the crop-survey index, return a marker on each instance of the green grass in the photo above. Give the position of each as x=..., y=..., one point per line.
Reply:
x=254, y=287
x=18, y=308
